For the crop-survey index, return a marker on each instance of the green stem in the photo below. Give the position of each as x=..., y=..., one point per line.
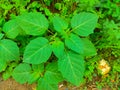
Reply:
x=50, y=32
x=53, y=36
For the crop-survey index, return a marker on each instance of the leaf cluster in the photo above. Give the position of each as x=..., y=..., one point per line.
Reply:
x=65, y=40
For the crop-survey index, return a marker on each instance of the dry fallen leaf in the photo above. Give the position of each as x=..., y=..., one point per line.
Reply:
x=104, y=67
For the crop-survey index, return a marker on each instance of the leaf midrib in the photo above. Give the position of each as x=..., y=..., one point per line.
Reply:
x=12, y=29
x=37, y=51
x=34, y=24
x=8, y=51
x=82, y=24
x=75, y=43
x=69, y=60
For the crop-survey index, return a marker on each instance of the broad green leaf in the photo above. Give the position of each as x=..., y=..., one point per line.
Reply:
x=52, y=74
x=22, y=73
x=72, y=67
x=3, y=65
x=33, y=23
x=37, y=72
x=38, y=68
x=37, y=51
x=33, y=77
x=89, y=48
x=59, y=24
x=9, y=50
x=74, y=43
x=58, y=48
x=1, y=35
x=83, y=24
x=11, y=29
x=44, y=84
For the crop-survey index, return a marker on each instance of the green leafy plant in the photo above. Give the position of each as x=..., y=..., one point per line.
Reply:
x=45, y=41
x=55, y=51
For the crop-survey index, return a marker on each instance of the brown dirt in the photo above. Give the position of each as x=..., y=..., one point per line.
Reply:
x=11, y=84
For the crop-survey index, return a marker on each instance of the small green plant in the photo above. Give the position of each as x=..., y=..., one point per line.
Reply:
x=46, y=51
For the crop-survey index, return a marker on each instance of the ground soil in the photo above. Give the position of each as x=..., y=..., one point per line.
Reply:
x=11, y=84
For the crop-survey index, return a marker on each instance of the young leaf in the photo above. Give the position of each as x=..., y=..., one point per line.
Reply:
x=83, y=24
x=72, y=67
x=59, y=24
x=9, y=50
x=74, y=43
x=52, y=74
x=58, y=48
x=89, y=48
x=11, y=29
x=8, y=72
x=3, y=65
x=37, y=71
x=47, y=12
x=6, y=75
x=22, y=73
x=33, y=23
x=1, y=35
x=37, y=51
x=51, y=78
x=43, y=84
